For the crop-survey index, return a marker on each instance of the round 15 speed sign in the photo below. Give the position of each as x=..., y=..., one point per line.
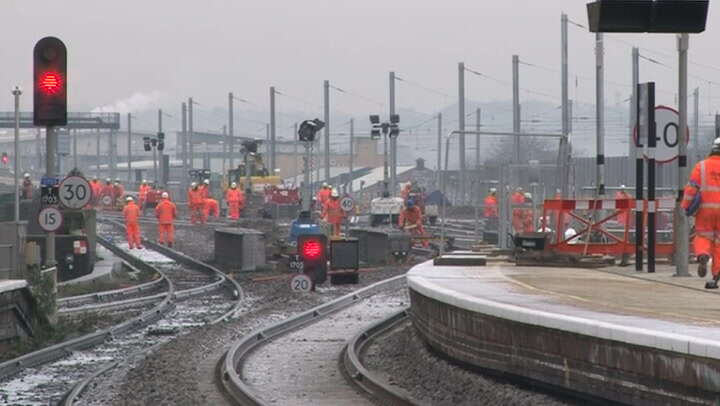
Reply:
x=50, y=219
x=75, y=192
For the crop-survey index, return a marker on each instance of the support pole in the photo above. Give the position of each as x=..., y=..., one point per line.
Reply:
x=75, y=156
x=476, y=188
x=158, y=172
x=231, y=131
x=439, y=145
x=461, y=127
x=393, y=140
x=563, y=170
x=183, y=140
x=129, y=149
x=295, y=153
x=51, y=150
x=352, y=153
x=191, y=148
x=600, y=113
x=681, y=230
x=652, y=144
x=224, y=149
x=516, y=107
x=696, y=124
x=97, y=152
x=639, y=185
x=113, y=154
x=272, y=132
x=307, y=189
x=16, y=157
x=632, y=152
x=326, y=132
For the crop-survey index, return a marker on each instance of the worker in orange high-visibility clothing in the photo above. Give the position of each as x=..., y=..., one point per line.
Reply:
x=131, y=212
x=701, y=198
x=210, y=208
x=405, y=192
x=236, y=201
x=624, y=216
x=166, y=213
x=518, y=199
x=333, y=212
x=528, y=226
x=490, y=209
x=142, y=193
x=195, y=201
x=411, y=220
x=107, y=195
x=205, y=188
x=323, y=195
x=96, y=188
x=26, y=189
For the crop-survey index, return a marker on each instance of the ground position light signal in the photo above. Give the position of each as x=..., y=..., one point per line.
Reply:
x=50, y=82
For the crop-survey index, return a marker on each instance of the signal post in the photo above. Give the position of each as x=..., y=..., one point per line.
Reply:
x=50, y=107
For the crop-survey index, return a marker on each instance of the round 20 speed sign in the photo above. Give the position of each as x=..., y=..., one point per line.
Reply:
x=301, y=283
x=75, y=192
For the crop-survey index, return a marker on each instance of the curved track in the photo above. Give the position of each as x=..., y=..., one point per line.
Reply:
x=190, y=300
x=304, y=351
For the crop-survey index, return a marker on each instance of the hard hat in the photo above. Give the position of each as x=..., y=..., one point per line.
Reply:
x=206, y=181
x=233, y=185
x=144, y=181
x=334, y=193
x=519, y=188
x=528, y=195
x=716, y=145
x=410, y=203
x=117, y=180
x=27, y=175
x=165, y=195
x=493, y=190
x=129, y=199
x=325, y=184
x=108, y=180
x=193, y=184
x=623, y=187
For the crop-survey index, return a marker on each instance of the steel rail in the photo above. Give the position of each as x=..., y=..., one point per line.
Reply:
x=231, y=363
x=234, y=286
x=54, y=352
x=109, y=294
x=358, y=375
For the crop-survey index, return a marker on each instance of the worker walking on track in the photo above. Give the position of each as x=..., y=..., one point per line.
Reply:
x=701, y=198
x=96, y=188
x=490, y=209
x=518, y=199
x=411, y=220
x=624, y=216
x=143, y=193
x=236, y=201
x=323, y=195
x=196, y=202
x=333, y=212
x=166, y=213
x=131, y=212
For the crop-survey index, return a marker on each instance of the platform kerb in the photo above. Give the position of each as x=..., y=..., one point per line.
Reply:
x=567, y=352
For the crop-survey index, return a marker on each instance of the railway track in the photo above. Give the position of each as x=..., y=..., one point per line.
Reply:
x=296, y=361
x=192, y=298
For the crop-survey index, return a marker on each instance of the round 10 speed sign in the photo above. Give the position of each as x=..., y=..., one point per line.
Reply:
x=75, y=192
x=50, y=219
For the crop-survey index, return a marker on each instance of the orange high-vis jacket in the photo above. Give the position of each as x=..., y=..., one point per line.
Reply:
x=705, y=179
x=235, y=195
x=165, y=212
x=204, y=191
x=332, y=212
x=131, y=212
x=195, y=197
x=491, y=209
x=410, y=216
x=143, y=191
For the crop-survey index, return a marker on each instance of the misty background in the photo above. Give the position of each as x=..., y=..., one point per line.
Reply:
x=138, y=56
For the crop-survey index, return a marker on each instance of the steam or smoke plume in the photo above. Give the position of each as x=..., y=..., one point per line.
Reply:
x=137, y=102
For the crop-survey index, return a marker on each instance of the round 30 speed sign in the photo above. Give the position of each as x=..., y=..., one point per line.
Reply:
x=50, y=219
x=75, y=192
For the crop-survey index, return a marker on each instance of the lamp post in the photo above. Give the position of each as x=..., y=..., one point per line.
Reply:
x=17, y=92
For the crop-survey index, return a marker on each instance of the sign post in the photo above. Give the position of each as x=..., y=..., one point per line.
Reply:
x=347, y=204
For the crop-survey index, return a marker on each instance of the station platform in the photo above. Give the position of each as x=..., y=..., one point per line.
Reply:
x=610, y=333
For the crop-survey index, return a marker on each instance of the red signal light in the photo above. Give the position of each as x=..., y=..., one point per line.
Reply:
x=50, y=82
x=312, y=249
x=5, y=159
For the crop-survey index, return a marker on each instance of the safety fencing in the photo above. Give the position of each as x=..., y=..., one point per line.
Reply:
x=607, y=227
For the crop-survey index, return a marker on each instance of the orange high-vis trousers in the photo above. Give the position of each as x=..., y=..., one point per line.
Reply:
x=133, y=235
x=166, y=233
x=707, y=236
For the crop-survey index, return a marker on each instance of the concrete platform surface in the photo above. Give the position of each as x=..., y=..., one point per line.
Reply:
x=650, y=310
x=7, y=285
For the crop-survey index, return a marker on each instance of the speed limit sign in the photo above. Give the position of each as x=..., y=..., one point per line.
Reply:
x=75, y=192
x=301, y=283
x=347, y=203
x=50, y=219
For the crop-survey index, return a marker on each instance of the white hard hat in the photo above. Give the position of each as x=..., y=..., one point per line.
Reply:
x=623, y=187
x=27, y=175
x=493, y=190
x=528, y=195
x=117, y=180
x=206, y=181
x=144, y=181
x=334, y=193
x=165, y=195
x=716, y=144
x=233, y=185
x=325, y=184
x=108, y=180
x=193, y=184
x=129, y=199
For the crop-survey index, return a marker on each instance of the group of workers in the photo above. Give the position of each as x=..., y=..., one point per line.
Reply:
x=165, y=212
x=202, y=205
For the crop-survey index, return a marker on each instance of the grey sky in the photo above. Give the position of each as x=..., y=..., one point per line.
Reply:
x=167, y=50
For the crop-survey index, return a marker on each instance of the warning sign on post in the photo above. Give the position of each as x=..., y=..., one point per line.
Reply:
x=667, y=128
x=75, y=192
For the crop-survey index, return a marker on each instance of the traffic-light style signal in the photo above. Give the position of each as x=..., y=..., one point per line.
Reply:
x=50, y=82
x=5, y=158
x=308, y=129
x=313, y=251
x=161, y=141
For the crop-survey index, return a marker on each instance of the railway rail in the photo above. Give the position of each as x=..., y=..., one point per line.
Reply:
x=191, y=299
x=317, y=337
